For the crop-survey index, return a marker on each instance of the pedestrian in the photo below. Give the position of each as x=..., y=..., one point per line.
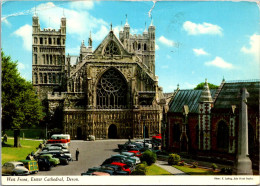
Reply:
x=77, y=154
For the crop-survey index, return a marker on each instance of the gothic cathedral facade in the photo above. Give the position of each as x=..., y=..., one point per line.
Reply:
x=109, y=92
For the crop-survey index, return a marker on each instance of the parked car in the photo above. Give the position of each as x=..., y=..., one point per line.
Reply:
x=44, y=164
x=14, y=168
x=117, y=170
x=31, y=165
x=129, y=163
x=53, y=151
x=126, y=157
x=132, y=156
x=136, y=152
x=54, y=161
x=123, y=166
x=90, y=171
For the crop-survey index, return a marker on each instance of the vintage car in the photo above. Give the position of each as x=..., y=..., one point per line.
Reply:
x=129, y=163
x=64, y=159
x=53, y=161
x=107, y=168
x=123, y=166
x=132, y=156
x=31, y=165
x=44, y=164
x=55, y=149
x=136, y=152
x=126, y=157
x=14, y=168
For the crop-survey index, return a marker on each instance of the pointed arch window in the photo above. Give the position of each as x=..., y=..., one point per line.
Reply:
x=111, y=90
x=111, y=49
x=176, y=133
x=222, y=136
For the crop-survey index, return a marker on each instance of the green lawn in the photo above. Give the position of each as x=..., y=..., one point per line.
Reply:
x=195, y=171
x=10, y=153
x=155, y=170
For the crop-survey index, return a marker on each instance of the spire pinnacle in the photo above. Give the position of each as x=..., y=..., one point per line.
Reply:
x=111, y=26
x=205, y=94
x=151, y=21
x=145, y=30
x=126, y=21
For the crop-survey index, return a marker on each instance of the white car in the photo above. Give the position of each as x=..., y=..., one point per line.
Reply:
x=14, y=168
x=132, y=155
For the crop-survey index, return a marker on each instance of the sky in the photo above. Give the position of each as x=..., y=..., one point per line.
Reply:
x=194, y=40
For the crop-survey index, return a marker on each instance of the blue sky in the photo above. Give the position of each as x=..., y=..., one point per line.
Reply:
x=194, y=40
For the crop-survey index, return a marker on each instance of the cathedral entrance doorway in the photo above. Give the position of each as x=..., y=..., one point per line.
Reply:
x=79, y=133
x=112, y=131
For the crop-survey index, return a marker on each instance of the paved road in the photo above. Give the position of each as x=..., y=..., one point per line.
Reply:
x=92, y=153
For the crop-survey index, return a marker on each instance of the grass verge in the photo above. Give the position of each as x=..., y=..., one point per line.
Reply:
x=155, y=170
x=10, y=153
x=196, y=171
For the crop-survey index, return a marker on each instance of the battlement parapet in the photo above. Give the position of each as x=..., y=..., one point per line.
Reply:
x=56, y=95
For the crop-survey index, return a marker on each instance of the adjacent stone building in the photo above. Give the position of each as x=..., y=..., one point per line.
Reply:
x=109, y=92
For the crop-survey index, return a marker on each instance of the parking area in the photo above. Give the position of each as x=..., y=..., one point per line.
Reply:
x=92, y=153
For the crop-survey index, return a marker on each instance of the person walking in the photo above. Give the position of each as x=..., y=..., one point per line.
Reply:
x=77, y=154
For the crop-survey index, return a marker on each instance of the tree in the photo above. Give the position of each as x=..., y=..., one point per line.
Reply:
x=20, y=105
x=201, y=86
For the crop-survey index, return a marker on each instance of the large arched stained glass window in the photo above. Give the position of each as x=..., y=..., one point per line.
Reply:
x=111, y=90
x=222, y=136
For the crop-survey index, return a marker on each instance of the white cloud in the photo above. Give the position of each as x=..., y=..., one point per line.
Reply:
x=166, y=41
x=254, y=48
x=219, y=62
x=204, y=28
x=25, y=32
x=199, y=51
x=157, y=47
x=101, y=34
x=5, y=21
x=20, y=66
x=82, y=5
x=79, y=22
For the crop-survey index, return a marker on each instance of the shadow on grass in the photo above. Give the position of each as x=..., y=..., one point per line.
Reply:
x=7, y=145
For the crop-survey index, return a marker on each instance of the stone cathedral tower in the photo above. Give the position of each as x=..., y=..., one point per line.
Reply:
x=48, y=58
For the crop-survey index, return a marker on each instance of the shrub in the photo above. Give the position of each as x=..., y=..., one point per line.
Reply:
x=214, y=166
x=149, y=157
x=226, y=170
x=181, y=163
x=140, y=169
x=174, y=159
x=194, y=164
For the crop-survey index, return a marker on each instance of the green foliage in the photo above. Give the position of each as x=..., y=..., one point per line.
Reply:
x=226, y=170
x=140, y=169
x=21, y=107
x=194, y=164
x=156, y=170
x=174, y=159
x=149, y=157
x=214, y=166
x=181, y=163
x=10, y=153
x=201, y=86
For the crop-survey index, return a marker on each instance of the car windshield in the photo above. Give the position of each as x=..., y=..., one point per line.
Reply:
x=19, y=165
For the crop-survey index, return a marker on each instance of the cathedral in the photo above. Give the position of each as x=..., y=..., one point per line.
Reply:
x=108, y=92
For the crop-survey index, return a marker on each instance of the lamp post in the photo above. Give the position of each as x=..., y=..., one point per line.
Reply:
x=46, y=131
x=144, y=128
